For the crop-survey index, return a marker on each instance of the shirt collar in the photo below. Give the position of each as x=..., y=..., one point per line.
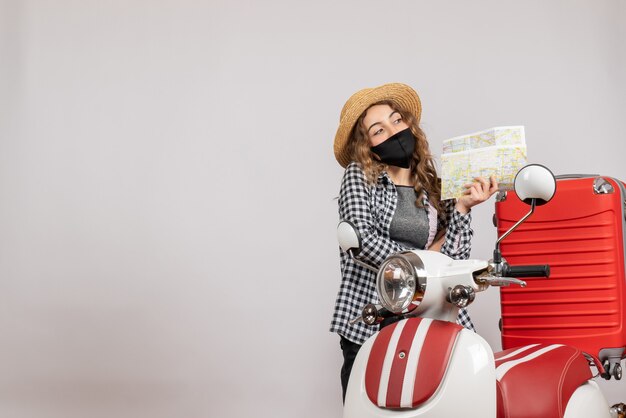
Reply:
x=384, y=178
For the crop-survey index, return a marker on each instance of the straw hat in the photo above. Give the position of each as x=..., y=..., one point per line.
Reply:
x=401, y=94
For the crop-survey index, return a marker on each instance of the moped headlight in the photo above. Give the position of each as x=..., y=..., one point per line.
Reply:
x=401, y=280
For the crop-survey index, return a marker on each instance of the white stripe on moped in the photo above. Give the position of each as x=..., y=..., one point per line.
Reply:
x=389, y=356
x=406, y=401
x=502, y=369
x=516, y=352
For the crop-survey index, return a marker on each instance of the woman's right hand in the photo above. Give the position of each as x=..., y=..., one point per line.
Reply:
x=477, y=192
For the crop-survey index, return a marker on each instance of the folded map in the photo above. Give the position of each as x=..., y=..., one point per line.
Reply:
x=499, y=151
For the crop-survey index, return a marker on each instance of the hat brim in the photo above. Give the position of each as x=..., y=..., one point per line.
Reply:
x=400, y=94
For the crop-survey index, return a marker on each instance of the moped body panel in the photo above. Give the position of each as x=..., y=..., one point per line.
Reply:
x=467, y=387
x=443, y=274
x=587, y=402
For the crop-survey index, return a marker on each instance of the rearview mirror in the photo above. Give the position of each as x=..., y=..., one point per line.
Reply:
x=535, y=181
x=535, y=185
x=348, y=237
x=350, y=242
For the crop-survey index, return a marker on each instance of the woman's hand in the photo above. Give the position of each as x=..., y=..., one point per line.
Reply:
x=476, y=193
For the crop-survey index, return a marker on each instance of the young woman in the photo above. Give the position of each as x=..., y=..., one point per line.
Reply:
x=391, y=192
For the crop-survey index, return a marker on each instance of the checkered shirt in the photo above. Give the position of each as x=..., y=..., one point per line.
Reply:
x=370, y=208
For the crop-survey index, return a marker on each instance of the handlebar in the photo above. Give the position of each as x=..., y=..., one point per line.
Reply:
x=542, y=270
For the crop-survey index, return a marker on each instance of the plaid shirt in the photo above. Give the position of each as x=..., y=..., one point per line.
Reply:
x=371, y=208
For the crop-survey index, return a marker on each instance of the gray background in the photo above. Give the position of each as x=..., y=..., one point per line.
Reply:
x=167, y=181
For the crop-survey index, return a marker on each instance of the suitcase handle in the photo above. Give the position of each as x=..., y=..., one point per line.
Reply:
x=575, y=176
x=542, y=270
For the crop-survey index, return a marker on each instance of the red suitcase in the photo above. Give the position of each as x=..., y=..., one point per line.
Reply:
x=580, y=234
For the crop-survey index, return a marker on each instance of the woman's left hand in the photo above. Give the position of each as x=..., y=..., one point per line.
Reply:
x=476, y=193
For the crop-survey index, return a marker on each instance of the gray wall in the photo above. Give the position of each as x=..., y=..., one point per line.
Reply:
x=167, y=182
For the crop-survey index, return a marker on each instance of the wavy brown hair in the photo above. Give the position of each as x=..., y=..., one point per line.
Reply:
x=423, y=171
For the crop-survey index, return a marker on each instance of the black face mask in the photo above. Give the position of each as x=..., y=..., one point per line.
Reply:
x=397, y=149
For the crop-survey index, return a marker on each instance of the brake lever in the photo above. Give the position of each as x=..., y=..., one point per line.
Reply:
x=502, y=281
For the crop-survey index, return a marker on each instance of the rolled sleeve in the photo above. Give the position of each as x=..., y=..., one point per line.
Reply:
x=458, y=241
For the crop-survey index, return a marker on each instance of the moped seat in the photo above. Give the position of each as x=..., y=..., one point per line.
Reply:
x=538, y=380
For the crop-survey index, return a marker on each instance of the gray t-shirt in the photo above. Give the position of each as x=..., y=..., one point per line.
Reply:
x=409, y=225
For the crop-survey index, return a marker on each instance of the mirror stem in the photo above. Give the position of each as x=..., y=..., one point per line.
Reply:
x=359, y=262
x=496, y=253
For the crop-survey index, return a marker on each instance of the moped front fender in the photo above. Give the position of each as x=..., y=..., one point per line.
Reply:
x=467, y=388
